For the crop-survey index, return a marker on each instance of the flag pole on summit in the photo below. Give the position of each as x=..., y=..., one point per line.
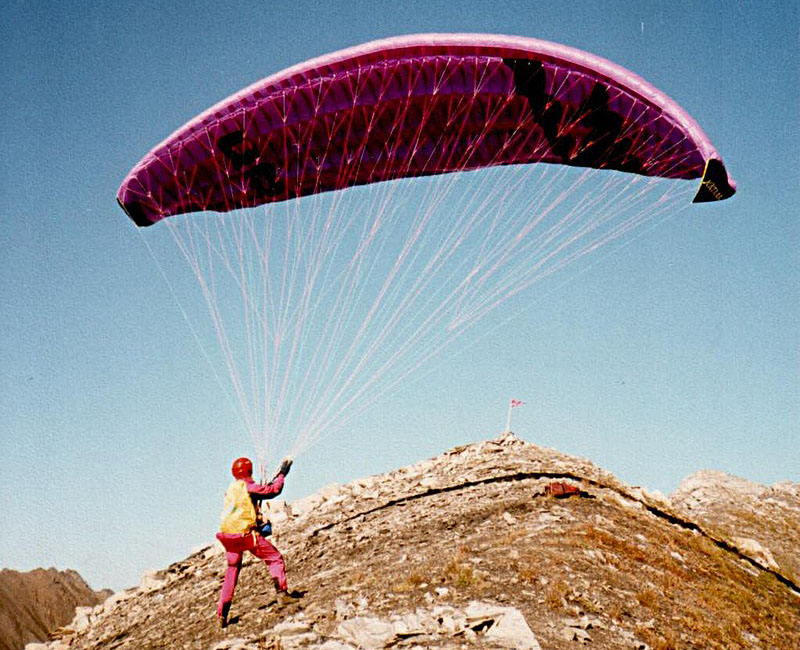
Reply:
x=514, y=403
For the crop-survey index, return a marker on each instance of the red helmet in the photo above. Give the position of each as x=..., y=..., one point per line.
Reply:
x=242, y=468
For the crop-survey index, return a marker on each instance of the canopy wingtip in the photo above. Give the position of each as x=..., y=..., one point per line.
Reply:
x=716, y=185
x=135, y=213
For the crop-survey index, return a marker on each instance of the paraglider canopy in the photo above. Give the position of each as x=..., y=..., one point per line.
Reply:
x=418, y=106
x=408, y=187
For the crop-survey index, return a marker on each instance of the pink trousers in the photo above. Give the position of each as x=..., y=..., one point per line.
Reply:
x=235, y=546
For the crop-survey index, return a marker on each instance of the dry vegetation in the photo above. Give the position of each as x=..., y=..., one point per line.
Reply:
x=560, y=559
x=624, y=575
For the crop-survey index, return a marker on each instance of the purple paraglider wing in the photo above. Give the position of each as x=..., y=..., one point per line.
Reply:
x=418, y=106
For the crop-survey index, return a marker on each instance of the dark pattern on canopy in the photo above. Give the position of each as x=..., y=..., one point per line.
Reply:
x=418, y=106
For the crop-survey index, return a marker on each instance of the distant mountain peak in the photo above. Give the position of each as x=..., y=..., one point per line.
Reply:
x=34, y=603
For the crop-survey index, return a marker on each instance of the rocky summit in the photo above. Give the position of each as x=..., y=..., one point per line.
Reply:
x=500, y=544
x=33, y=603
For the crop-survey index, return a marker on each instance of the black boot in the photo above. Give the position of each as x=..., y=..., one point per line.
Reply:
x=223, y=617
x=286, y=598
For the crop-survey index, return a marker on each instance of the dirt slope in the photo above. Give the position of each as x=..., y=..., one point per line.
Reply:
x=468, y=550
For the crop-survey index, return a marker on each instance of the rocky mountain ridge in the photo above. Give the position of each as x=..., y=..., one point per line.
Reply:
x=762, y=521
x=33, y=603
x=471, y=550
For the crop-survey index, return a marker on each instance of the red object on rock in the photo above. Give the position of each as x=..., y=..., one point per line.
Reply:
x=561, y=490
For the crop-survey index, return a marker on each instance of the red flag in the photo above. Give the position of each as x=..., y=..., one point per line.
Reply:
x=516, y=402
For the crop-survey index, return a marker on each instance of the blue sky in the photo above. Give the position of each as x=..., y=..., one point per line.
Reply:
x=678, y=352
